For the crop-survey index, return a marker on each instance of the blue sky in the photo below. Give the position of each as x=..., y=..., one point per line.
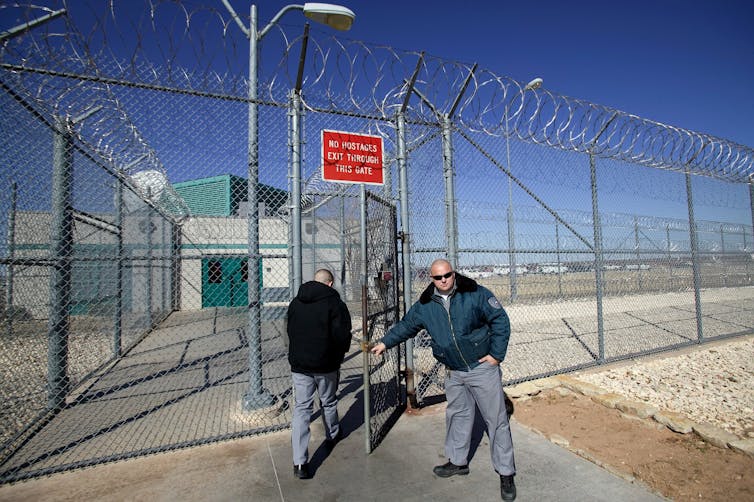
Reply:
x=687, y=63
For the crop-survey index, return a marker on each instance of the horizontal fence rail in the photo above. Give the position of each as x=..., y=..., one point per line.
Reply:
x=141, y=312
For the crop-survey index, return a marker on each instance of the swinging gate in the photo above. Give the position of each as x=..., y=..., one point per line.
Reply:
x=385, y=396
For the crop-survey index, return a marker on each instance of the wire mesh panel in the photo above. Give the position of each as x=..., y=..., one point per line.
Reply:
x=143, y=297
x=387, y=394
x=124, y=351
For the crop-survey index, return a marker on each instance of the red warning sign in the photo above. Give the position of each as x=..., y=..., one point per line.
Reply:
x=351, y=158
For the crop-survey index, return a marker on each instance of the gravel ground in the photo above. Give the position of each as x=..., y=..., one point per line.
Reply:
x=711, y=384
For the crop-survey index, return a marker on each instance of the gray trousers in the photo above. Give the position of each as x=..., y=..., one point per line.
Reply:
x=304, y=387
x=483, y=386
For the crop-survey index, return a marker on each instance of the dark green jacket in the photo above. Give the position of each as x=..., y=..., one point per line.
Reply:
x=475, y=326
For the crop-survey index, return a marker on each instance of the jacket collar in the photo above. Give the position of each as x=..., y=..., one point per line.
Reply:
x=463, y=285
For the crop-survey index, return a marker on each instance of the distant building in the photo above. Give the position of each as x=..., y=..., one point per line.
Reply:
x=204, y=264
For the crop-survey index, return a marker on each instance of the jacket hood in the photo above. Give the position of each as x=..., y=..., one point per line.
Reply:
x=463, y=285
x=313, y=291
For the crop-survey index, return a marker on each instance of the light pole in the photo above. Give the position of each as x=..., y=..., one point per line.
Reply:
x=337, y=17
x=534, y=84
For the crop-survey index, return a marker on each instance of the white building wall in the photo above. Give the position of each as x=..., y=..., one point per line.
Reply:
x=200, y=237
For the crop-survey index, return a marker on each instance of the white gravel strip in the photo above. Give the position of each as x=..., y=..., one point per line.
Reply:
x=711, y=384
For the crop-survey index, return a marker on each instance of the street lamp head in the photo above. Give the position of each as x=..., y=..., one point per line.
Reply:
x=335, y=16
x=534, y=84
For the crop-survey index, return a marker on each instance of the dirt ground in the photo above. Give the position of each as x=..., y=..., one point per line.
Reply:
x=680, y=467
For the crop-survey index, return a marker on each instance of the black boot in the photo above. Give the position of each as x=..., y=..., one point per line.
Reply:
x=301, y=471
x=507, y=487
x=450, y=469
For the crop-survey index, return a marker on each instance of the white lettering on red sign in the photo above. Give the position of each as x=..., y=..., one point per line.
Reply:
x=352, y=158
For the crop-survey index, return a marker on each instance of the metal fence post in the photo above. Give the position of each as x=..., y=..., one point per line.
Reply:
x=638, y=251
x=751, y=201
x=174, y=274
x=694, y=256
x=9, y=311
x=255, y=397
x=150, y=257
x=343, y=273
x=364, y=317
x=722, y=239
x=313, y=218
x=598, y=261
x=560, y=273
x=61, y=246
x=667, y=240
x=406, y=250
x=743, y=236
x=295, y=213
x=118, y=314
x=512, y=267
x=451, y=226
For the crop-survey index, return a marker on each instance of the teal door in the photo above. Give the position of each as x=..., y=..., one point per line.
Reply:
x=225, y=282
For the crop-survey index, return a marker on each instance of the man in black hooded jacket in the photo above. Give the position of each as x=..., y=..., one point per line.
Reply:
x=319, y=335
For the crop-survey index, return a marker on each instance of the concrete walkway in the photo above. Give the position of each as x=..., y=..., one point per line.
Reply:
x=259, y=469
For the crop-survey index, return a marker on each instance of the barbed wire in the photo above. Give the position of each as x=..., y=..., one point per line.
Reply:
x=192, y=47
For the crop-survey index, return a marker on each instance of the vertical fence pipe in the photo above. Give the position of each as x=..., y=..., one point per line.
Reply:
x=406, y=249
x=150, y=257
x=296, y=144
x=511, y=229
x=451, y=227
x=166, y=240
x=751, y=201
x=722, y=240
x=387, y=182
x=9, y=312
x=694, y=256
x=256, y=397
x=118, y=314
x=560, y=272
x=598, y=260
x=313, y=218
x=670, y=258
x=343, y=246
x=175, y=268
x=365, y=318
x=638, y=251
x=61, y=245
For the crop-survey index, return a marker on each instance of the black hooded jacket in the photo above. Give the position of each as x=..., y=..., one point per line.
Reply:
x=319, y=329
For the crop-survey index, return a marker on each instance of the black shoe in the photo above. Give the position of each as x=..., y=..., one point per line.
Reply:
x=450, y=469
x=507, y=487
x=331, y=442
x=301, y=471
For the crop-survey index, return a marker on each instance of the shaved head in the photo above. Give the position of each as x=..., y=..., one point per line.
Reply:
x=324, y=276
x=441, y=261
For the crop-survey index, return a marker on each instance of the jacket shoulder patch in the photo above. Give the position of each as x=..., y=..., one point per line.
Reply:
x=494, y=303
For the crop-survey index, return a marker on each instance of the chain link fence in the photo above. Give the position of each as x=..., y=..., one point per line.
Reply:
x=140, y=312
x=583, y=284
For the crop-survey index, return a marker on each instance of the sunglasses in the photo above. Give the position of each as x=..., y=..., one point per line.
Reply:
x=440, y=277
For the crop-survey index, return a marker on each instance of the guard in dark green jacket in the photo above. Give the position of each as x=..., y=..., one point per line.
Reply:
x=469, y=330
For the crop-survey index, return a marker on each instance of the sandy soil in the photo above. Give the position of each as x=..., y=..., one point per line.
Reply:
x=680, y=467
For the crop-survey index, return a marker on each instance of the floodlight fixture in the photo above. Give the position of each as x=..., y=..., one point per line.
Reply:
x=534, y=84
x=339, y=18
x=335, y=16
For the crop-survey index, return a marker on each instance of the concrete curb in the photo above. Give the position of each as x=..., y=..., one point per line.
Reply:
x=676, y=422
